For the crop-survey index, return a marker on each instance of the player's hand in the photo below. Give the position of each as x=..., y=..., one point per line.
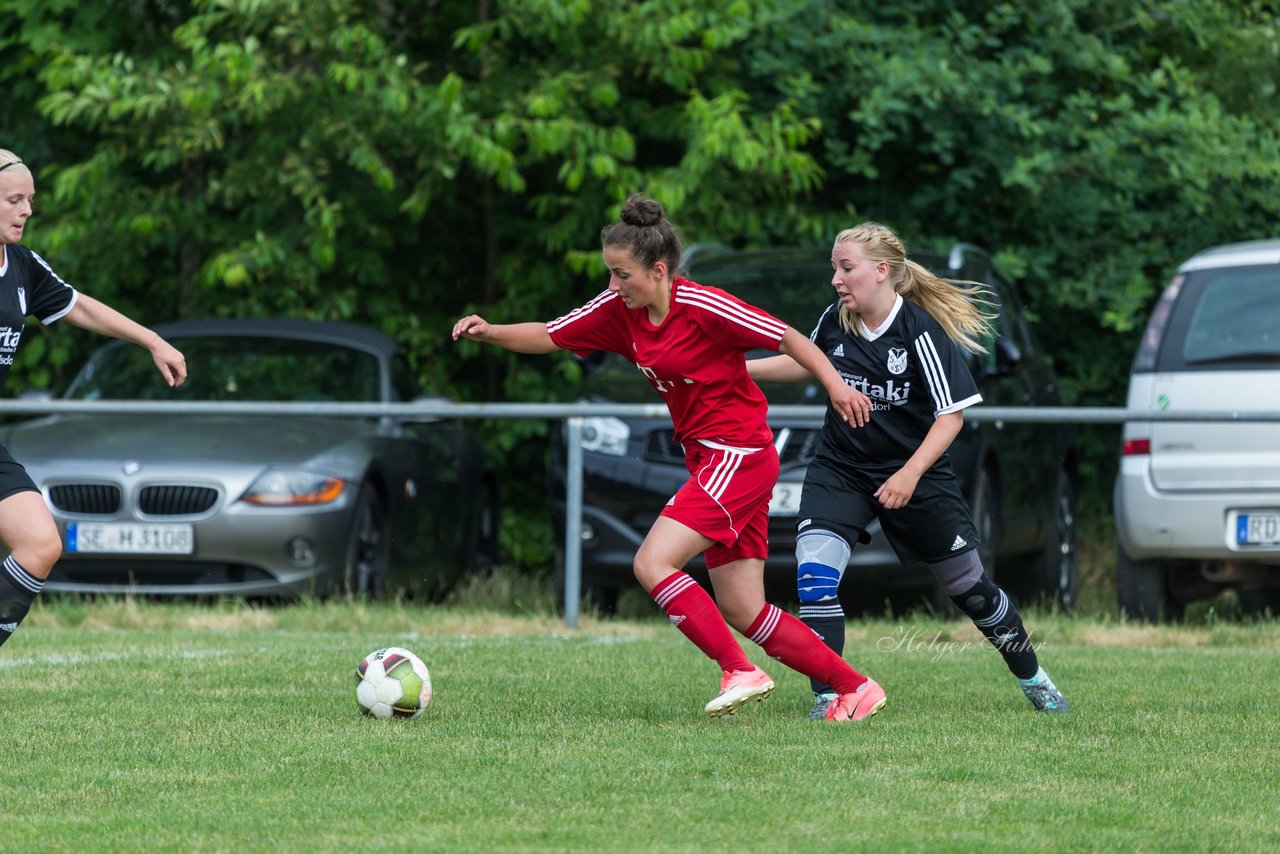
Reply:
x=897, y=490
x=472, y=327
x=171, y=362
x=852, y=405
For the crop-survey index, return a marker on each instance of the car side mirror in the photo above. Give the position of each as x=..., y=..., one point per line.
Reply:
x=1008, y=356
x=591, y=362
x=1002, y=359
x=426, y=419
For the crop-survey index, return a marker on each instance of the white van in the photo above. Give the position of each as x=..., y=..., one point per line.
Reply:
x=1197, y=504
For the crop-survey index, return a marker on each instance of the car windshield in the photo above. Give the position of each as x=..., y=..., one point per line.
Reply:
x=1235, y=318
x=793, y=294
x=234, y=368
x=796, y=290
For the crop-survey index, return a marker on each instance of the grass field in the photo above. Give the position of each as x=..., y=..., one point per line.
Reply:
x=137, y=727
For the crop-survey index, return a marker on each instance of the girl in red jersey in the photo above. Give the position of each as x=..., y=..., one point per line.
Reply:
x=690, y=341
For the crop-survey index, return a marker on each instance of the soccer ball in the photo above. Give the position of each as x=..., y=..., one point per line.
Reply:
x=392, y=682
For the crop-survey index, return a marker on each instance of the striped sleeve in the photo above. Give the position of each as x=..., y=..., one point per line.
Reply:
x=946, y=375
x=813, y=336
x=588, y=327
x=50, y=298
x=741, y=324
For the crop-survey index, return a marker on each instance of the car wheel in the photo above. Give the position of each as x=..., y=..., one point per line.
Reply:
x=1055, y=574
x=932, y=599
x=1260, y=601
x=484, y=550
x=1142, y=590
x=986, y=518
x=939, y=603
x=368, y=548
x=603, y=598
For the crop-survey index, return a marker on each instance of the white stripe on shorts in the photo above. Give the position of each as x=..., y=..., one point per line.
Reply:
x=722, y=474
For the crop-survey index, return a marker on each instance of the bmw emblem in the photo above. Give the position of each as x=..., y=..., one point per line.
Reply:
x=132, y=467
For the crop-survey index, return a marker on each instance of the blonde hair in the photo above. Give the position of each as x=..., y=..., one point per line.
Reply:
x=964, y=309
x=8, y=158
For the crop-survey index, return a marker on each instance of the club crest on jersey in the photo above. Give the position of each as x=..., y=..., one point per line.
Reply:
x=22, y=300
x=897, y=360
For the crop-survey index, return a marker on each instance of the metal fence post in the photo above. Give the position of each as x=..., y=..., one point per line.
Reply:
x=573, y=522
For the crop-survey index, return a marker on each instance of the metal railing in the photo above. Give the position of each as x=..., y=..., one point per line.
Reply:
x=573, y=414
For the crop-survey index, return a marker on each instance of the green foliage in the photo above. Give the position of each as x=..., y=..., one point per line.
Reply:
x=402, y=164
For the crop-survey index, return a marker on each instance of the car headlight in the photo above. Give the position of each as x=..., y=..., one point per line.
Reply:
x=605, y=436
x=282, y=488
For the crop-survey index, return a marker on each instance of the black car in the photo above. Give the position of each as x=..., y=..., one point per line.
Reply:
x=1019, y=477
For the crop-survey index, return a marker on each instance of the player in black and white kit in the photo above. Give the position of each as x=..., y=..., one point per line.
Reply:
x=905, y=354
x=29, y=287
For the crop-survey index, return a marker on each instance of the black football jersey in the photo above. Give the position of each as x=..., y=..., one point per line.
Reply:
x=912, y=371
x=28, y=286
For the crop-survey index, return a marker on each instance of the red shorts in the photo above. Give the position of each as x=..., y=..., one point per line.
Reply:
x=727, y=499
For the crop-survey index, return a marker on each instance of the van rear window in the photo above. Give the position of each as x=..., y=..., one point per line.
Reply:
x=1236, y=318
x=1224, y=319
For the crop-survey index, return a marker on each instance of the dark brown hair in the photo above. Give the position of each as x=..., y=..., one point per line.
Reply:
x=646, y=233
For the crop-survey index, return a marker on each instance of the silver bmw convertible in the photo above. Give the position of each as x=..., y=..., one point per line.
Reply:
x=261, y=506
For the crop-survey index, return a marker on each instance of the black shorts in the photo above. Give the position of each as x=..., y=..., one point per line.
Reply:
x=13, y=477
x=934, y=525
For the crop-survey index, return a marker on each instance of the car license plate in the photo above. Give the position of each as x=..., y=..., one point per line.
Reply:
x=785, y=500
x=1258, y=529
x=130, y=538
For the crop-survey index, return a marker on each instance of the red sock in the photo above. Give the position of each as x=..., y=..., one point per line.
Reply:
x=695, y=614
x=794, y=644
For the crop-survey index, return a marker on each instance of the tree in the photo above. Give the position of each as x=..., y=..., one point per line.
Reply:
x=402, y=164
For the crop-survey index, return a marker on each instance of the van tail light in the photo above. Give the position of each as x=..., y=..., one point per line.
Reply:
x=1149, y=347
x=1137, y=447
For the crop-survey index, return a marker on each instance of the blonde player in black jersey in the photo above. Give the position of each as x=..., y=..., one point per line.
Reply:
x=895, y=333
x=29, y=287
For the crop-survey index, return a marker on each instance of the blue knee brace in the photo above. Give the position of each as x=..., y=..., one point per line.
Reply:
x=821, y=557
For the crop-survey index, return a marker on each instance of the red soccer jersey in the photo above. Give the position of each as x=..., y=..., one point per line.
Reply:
x=695, y=359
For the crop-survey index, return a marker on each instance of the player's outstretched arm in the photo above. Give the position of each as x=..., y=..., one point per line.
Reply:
x=851, y=405
x=518, y=337
x=776, y=369
x=97, y=316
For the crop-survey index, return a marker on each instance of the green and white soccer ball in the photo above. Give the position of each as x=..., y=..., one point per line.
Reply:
x=392, y=683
